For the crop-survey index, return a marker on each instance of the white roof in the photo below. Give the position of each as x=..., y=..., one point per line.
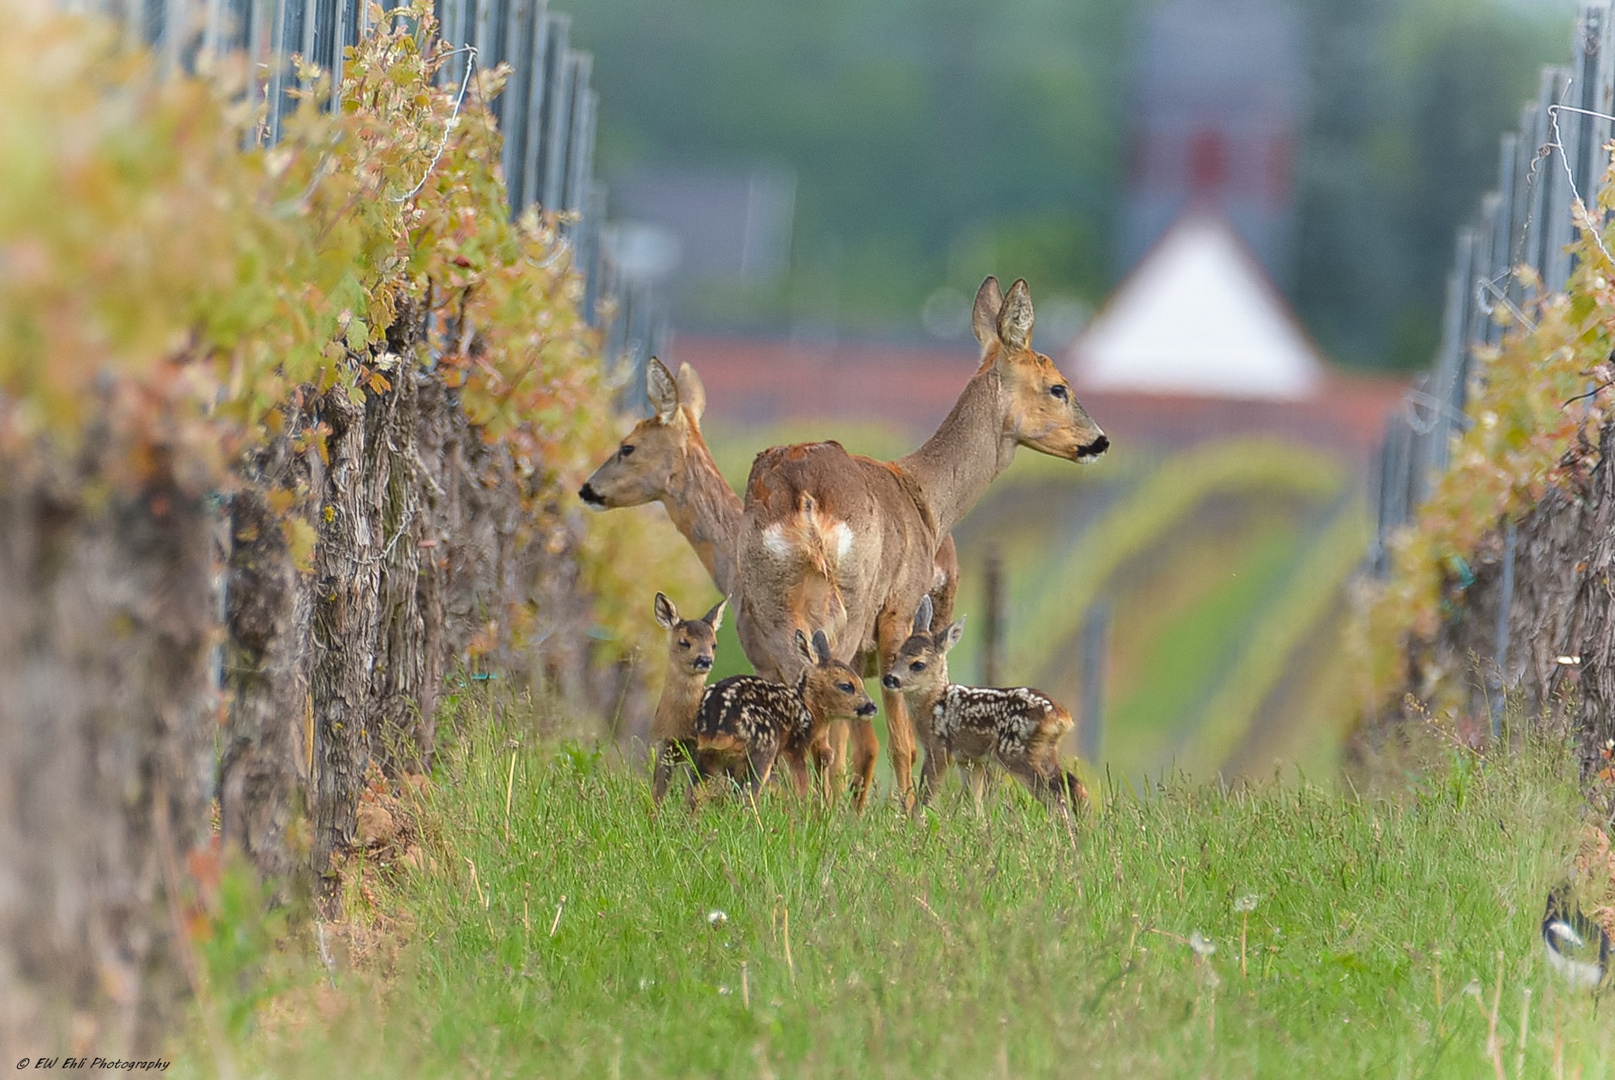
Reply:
x=1198, y=316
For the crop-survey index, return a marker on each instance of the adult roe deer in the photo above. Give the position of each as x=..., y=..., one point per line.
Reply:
x=1018, y=727
x=664, y=459
x=845, y=543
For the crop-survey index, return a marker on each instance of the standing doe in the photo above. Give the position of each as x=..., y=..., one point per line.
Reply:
x=1019, y=728
x=748, y=721
x=665, y=459
x=691, y=647
x=845, y=543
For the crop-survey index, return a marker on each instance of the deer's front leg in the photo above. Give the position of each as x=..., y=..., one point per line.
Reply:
x=824, y=759
x=890, y=631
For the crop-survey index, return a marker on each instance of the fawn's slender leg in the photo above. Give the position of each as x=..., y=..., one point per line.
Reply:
x=670, y=754
x=839, y=731
x=891, y=629
x=799, y=774
x=824, y=759
x=760, y=764
x=932, y=772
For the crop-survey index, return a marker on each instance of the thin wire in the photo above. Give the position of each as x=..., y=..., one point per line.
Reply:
x=448, y=128
x=1596, y=228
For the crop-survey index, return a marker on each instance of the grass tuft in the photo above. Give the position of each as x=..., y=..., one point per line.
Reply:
x=1184, y=929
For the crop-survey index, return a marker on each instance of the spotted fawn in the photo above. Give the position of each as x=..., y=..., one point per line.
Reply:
x=747, y=722
x=691, y=646
x=1019, y=728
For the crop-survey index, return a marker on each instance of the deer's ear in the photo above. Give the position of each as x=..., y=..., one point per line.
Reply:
x=949, y=636
x=804, y=649
x=691, y=393
x=984, y=316
x=714, y=618
x=821, y=646
x=922, y=617
x=667, y=616
x=662, y=390
x=1015, y=318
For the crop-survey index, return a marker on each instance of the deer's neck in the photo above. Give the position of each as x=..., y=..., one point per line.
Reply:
x=964, y=455
x=923, y=705
x=707, y=512
x=675, y=712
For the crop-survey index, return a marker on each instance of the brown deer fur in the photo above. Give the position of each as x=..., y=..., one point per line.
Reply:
x=664, y=459
x=1019, y=728
x=832, y=540
x=692, y=645
x=748, y=721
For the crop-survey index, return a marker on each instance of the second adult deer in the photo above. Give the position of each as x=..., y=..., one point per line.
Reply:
x=1019, y=728
x=845, y=543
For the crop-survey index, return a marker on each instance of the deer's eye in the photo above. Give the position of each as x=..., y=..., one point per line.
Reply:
x=844, y=687
x=625, y=450
x=1059, y=392
x=684, y=644
x=918, y=665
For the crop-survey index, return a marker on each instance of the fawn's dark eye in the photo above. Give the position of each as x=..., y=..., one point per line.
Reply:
x=684, y=644
x=918, y=665
x=1059, y=392
x=625, y=450
x=844, y=687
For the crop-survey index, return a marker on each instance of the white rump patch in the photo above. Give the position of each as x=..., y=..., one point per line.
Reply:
x=839, y=539
x=775, y=541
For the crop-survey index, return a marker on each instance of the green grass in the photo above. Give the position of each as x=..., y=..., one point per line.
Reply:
x=1147, y=722
x=960, y=944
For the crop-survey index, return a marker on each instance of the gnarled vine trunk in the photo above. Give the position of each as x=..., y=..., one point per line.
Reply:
x=108, y=712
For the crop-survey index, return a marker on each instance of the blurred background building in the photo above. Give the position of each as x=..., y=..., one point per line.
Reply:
x=1218, y=105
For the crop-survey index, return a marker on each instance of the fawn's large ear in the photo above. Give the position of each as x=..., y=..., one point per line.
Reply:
x=984, y=316
x=692, y=395
x=949, y=636
x=667, y=616
x=922, y=617
x=1015, y=318
x=821, y=646
x=714, y=618
x=662, y=390
x=804, y=650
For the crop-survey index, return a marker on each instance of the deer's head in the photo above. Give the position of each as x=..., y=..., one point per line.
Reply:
x=692, y=644
x=921, y=663
x=644, y=466
x=831, y=689
x=1041, y=412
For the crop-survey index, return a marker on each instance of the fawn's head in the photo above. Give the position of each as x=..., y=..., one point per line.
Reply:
x=921, y=663
x=831, y=689
x=648, y=461
x=692, y=643
x=1042, y=412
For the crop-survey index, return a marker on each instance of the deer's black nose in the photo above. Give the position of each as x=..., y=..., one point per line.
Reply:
x=1095, y=448
x=890, y=682
x=866, y=709
x=702, y=663
x=589, y=495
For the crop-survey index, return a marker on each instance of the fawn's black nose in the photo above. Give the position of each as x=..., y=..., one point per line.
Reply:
x=702, y=663
x=589, y=495
x=1095, y=448
x=866, y=709
x=890, y=682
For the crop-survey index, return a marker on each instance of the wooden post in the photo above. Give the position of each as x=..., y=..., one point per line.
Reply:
x=1095, y=650
x=992, y=649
